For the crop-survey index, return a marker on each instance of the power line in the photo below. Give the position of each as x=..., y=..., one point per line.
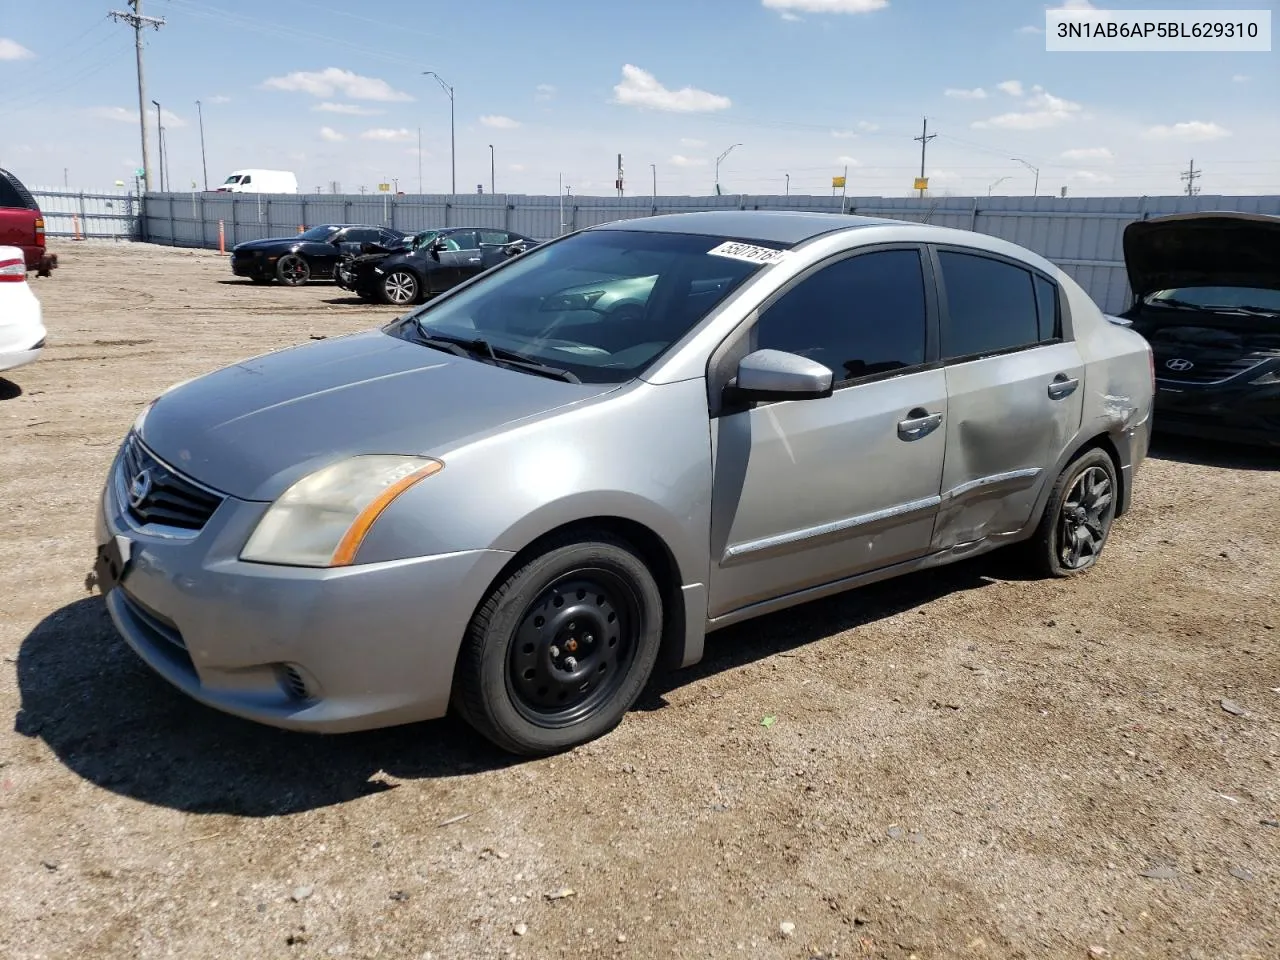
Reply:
x=138, y=21
x=1190, y=178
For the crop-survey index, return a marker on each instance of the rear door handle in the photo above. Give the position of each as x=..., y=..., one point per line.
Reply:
x=919, y=423
x=1063, y=387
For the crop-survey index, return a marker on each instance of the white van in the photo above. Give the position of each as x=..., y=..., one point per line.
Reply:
x=260, y=181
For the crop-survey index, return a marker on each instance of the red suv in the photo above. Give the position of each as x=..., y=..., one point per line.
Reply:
x=22, y=225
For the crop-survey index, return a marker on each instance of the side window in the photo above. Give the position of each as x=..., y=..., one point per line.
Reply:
x=10, y=197
x=245, y=181
x=464, y=240
x=861, y=316
x=494, y=237
x=1047, y=307
x=991, y=306
x=361, y=235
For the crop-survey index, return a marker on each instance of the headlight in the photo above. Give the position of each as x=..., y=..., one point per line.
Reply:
x=322, y=519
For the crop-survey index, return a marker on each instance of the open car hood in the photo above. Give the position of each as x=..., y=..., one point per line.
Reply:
x=1203, y=250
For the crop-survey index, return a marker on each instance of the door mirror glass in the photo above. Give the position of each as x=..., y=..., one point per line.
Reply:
x=775, y=375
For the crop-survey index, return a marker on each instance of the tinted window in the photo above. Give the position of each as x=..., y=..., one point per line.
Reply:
x=992, y=306
x=245, y=180
x=10, y=197
x=860, y=316
x=361, y=235
x=1047, y=306
x=494, y=236
x=464, y=240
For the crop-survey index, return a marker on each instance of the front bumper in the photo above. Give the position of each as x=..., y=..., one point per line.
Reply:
x=326, y=651
x=1247, y=414
x=251, y=266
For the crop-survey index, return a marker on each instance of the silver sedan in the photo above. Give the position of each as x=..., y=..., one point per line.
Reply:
x=519, y=499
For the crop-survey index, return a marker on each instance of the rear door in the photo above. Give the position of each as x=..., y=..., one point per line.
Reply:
x=1015, y=389
x=459, y=260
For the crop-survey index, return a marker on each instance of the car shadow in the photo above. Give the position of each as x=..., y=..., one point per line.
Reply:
x=112, y=721
x=1214, y=453
x=349, y=302
x=9, y=390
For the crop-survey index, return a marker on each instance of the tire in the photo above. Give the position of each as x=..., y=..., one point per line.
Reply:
x=517, y=681
x=293, y=270
x=1080, y=512
x=399, y=288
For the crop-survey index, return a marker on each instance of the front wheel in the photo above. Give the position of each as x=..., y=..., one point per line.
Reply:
x=293, y=270
x=1078, y=517
x=399, y=288
x=558, y=653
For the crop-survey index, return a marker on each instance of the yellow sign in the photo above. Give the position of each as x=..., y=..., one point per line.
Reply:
x=384, y=188
x=922, y=183
x=837, y=183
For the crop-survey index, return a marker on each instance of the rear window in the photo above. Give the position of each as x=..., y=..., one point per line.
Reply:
x=13, y=194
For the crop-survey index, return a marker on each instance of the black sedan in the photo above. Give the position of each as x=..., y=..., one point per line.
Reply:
x=310, y=255
x=1207, y=298
x=409, y=276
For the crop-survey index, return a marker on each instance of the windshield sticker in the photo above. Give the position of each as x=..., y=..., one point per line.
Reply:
x=746, y=251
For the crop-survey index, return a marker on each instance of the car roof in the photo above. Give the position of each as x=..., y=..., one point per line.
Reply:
x=771, y=226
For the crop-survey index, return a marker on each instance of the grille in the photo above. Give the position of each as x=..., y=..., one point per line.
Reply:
x=295, y=683
x=168, y=498
x=1204, y=370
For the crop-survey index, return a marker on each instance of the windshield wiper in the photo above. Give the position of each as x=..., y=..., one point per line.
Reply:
x=1175, y=304
x=479, y=347
x=1257, y=311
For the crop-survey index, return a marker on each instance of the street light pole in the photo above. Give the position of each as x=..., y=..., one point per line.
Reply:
x=654, y=168
x=204, y=167
x=996, y=184
x=788, y=184
x=453, y=150
x=160, y=142
x=1035, y=190
x=719, y=160
x=492, y=168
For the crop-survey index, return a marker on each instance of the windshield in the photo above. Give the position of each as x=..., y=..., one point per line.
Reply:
x=1221, y=298
x=601, y=305
x=317, y=233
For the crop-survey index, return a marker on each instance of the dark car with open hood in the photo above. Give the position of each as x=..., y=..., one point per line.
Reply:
x=310, y=255
x=1207, y=297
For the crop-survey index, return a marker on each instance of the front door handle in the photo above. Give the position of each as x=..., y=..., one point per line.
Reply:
x=919, y=423
x=1062, y=387
x=473, y=260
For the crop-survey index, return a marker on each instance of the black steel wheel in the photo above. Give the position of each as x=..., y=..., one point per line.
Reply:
x=399, y=288
x=1078, y=517
x=293, y=270
x=558, y=652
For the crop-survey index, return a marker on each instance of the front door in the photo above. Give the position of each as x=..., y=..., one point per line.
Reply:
x=812, y=491
x=1015, y=391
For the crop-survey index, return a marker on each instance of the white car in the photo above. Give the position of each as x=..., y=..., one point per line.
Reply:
x=22, y=330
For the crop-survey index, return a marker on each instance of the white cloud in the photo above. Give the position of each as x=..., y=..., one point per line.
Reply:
x=844, y=134
x=387, y=135
x=792, y=18
x=1239, y=78
x=639, y=88
x=347, y=109
x=218, y=98
x=977, y=93
x=1012, y=87
x=13, y=50
x=1089, y=176
x=826, y=6
x=499, y=122
x=516, y=168
x=682, y=161
x=1088, y=153
x=544, y=91
x=866, y=127
x=123, y=115
x=332, y=135
x=1192, y=130
x=333, y=81
x=690, y=142
x=848, y=161
x=1030, y=29
x=1044, y=110
x=1080, y=10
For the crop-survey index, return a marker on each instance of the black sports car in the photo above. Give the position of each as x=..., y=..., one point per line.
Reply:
x=1207, y=297
x=435, y=264
x=311, y=255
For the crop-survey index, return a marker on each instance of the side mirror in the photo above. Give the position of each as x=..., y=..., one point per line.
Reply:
x=775, y=375
x=434, y=248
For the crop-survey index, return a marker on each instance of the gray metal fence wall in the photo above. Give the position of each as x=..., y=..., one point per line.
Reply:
x=1080, y=234
x=69, y=213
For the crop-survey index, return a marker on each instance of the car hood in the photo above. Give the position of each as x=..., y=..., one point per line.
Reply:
x=269, y=243
x=252, y=429
x=1203, y=249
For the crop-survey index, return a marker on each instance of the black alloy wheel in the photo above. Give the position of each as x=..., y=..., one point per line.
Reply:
x=1078, y=517
x=292, y=270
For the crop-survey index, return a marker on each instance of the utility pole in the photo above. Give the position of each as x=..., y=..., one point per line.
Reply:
x=453, y=149
x=1190, y=177
x=619, y=182
x=419, y=161
x=788, y=184
x=136, y=20
x=1035, y=189
x=924, y=138
x=654, y=168
x=204, y=167
x=492, y=169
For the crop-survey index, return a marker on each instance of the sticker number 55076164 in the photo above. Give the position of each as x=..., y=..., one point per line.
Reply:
x=748, y=252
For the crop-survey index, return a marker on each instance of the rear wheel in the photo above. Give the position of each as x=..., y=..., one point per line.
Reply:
x=1077, y=519
x=293, y=270
x=399, y=288
x=558, y=652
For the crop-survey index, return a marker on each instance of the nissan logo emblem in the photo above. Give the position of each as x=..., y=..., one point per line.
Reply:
x=1179, y=365
x=139, y=489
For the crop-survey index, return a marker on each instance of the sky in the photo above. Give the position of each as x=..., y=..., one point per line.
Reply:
x=546, y=95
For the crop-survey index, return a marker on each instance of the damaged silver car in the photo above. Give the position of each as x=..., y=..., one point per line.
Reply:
x=520, y=498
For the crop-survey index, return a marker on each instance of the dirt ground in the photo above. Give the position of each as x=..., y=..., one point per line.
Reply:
x=964, y=763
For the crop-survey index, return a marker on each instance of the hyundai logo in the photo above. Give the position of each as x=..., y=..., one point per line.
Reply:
x=139, y=489
x=1179, y=365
